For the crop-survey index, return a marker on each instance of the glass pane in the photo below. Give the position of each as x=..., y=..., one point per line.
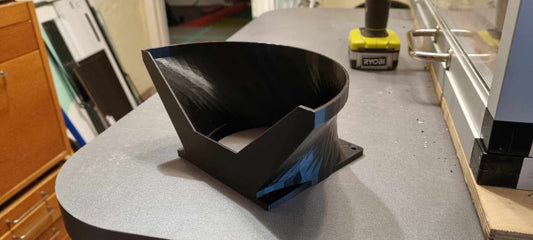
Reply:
x=478, y=26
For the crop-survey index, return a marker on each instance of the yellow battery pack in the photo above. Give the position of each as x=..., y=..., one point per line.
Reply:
x=374, y=53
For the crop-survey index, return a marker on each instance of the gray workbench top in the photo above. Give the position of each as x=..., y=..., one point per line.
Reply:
x=408, y=185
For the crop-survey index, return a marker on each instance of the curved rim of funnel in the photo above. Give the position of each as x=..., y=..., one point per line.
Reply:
x=346, y=74
x=334, y=105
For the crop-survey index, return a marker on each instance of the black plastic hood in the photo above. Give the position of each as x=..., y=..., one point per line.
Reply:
x=259, y=117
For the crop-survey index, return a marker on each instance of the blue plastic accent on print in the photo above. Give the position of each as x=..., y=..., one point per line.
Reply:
x=320, y=118
x=288, y=196
x=160, y=52
x=305, y=170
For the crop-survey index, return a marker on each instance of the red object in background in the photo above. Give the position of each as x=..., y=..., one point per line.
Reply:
x=213, y=17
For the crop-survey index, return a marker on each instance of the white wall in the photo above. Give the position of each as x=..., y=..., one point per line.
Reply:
x=134, y=25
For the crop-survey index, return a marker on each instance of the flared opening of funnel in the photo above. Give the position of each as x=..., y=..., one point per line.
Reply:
x=228, y=88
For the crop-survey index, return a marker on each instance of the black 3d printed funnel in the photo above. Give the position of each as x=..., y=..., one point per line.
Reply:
x=261, y=118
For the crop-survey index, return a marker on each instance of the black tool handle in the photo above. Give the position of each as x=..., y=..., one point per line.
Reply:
x=376, y=17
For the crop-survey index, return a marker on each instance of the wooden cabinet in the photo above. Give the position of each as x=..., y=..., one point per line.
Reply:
x=33, y=139
x=6, y=236
x=15, y=213
x=32, y=131
x=56, y=231
x=39, y=220
x=35, y=214
x=17, y=39
x=13, y=13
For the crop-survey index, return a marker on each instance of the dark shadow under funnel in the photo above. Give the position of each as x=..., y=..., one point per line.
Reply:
x=261, y=118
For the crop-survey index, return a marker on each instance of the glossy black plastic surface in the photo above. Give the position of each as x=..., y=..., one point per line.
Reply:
x=494, y=169
x=506, y=138
x=289, y=97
